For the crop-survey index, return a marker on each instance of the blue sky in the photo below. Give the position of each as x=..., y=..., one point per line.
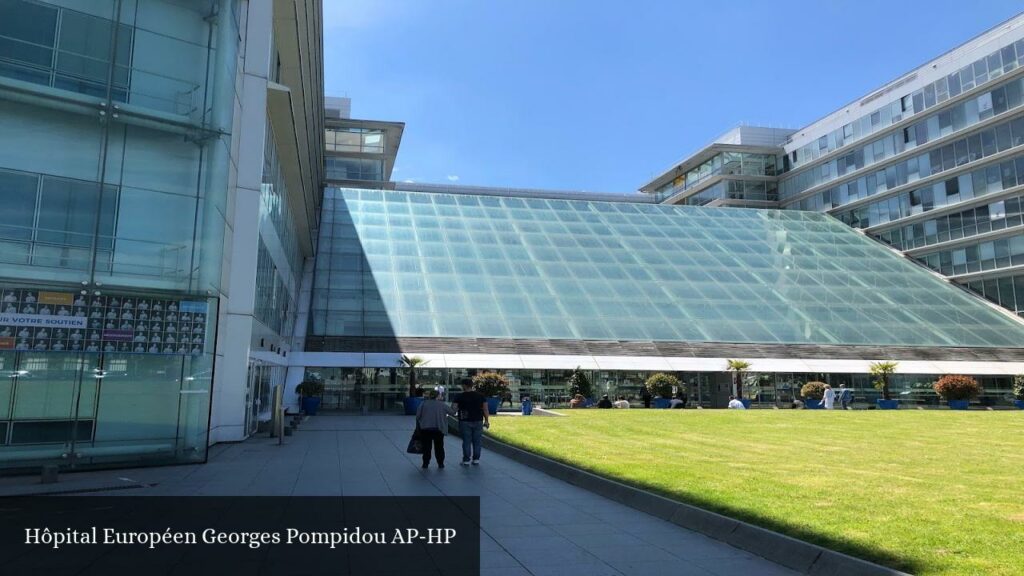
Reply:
x=601, y=95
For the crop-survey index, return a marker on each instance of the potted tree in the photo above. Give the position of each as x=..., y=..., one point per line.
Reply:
x=660, y=386
x=812, y=393
x=580, y=384
x=413, y=400
x=882, y=371
x=309, y=392
x=493, y=386
x=738, y=367
x=957, y=390
x=1018, y=391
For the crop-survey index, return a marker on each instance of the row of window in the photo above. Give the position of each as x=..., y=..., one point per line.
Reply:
x=980, y=182
x=969, y=149
x=63, y=48
x=960, y=116
x=979, y=257
x=366, y=140
x=1007, y=292
x=274, y=201
x=759, y=190
x=995, y=216
x=339, y=168
x=273, y=302
x=726, y=163
x=970, y=76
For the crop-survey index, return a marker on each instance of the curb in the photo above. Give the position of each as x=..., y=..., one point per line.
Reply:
x=790, y=552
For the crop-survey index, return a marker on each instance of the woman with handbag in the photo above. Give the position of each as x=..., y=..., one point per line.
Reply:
x=431, y=424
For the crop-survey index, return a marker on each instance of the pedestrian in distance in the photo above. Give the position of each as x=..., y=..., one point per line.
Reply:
x=473, y=418
x=432, y=422
x=828, y=401
x=645, y=395
x=604, y=402
x=735, y=404
x=621, y=402
x=845, y=396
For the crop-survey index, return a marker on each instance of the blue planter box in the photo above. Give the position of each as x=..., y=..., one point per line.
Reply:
x=813, y=404
x=492, y=404
x=888, y=404
x=1019, y=404
x=310, y=406
x=661, y=402
x=959, y=404
x=411, y=404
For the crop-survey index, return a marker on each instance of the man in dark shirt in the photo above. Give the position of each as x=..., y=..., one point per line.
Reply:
x=604, y=402
x=473, y=418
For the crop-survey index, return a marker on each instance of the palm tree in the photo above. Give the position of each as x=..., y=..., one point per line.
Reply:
x=881, y=371
x=411, y=362
x=737, y=367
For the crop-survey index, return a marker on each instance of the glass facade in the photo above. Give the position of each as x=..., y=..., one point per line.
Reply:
x=353, y=139
x=996, y=102
x=425, y=265
x=382, y=388
x=972, y=75
x=137, y=97
x=723, y=164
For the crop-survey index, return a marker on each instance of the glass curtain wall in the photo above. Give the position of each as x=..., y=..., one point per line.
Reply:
x=137, y=96
x=384, y=388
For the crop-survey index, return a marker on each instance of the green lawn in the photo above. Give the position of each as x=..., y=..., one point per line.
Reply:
x=927, y=492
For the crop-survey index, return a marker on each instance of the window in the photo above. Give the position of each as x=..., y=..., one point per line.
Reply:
x=19, y=193
x=29, y=41
x=848, y=131
x=68, y=213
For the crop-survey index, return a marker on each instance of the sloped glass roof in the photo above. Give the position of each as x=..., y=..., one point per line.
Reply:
x=427, y=265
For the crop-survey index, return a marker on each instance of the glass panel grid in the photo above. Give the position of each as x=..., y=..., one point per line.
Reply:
x=712, y=274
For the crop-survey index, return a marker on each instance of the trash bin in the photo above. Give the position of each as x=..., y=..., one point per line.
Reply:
x=527, y=406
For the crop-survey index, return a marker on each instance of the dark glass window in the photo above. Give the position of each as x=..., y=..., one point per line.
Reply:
x=19, y=207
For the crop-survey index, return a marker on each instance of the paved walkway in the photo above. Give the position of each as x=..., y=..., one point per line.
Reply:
x=531, y=523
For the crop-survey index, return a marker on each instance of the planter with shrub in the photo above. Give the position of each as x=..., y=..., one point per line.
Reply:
x=309, y=393
x=812, y=393
x=660, y=386
x=412, y=402
x=493, y=386
x=957, y=390
x=1018, y=391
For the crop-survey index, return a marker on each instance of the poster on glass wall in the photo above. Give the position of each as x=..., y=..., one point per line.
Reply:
x=45, y=321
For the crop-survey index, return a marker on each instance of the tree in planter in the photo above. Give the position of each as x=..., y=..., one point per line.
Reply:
x=310, y=389
x=1018, y=387
x=737, y=367
x=491, y=384
x=661, y=384
x=813, y=390
x=580, y=384
x=957, y=387
x=882, y=371
x=412, y=362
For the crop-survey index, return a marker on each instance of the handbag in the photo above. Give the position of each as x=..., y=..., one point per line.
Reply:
x=415, y=443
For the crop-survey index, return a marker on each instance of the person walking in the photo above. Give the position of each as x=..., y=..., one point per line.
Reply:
x=829, y=399
x=473, y=418
x=845, y=396
x=432, y=421
x=645, y=395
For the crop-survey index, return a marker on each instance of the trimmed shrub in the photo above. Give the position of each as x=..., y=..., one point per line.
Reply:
x=957, y=387
x=813, y=390
x=661, y=384
x=490, y=384
x=1018, y=387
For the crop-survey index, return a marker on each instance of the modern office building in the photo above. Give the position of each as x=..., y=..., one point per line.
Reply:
x=931, y=163
x=161, y=173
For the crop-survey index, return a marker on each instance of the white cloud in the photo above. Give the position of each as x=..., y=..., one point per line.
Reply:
x=409, y=181
x=453, y=178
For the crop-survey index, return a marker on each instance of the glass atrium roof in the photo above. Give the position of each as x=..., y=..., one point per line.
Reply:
x=437, y=265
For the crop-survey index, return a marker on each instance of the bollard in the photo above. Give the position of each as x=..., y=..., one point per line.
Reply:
x=49, y=474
